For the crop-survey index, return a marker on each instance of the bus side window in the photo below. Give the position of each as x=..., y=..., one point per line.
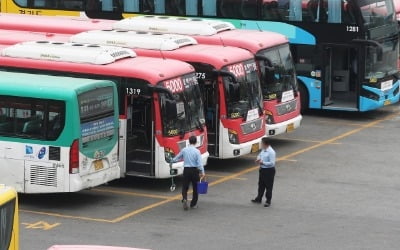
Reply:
x=209, y=7
x=147, y=6
x=131, y=5
x=249, y=9
x=275, y=10
x=175, y=7
x=22, y=3
x=230, y=8
x=55, y=120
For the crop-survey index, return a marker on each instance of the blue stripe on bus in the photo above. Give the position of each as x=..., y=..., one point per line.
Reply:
x=313, y=87
x=295, y=34
x=367, y=104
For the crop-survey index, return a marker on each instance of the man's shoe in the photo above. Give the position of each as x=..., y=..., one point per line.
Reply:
x=256, y=201
x=185, y=205
x=194, y=207
x=267, y=204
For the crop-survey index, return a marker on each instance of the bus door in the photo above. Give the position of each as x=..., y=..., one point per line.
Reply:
x=340, y=77
x=139, y=138
x=209, y=88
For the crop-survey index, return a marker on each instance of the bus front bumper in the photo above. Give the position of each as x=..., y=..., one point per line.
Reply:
x=283, y=127
x=77, y=182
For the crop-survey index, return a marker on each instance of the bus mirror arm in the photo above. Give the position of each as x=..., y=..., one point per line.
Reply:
x=226, y=73
x=265, y=59
x=160, y=89
x=372, y=43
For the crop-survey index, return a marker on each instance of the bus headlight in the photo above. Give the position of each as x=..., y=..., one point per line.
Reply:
x=269, y=118
x=169, y=154
x=233, y=136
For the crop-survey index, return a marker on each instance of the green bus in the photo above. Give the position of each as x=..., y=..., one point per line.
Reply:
x=57, y=134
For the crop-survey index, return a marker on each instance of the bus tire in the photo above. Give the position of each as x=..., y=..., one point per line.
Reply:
x=304, y=98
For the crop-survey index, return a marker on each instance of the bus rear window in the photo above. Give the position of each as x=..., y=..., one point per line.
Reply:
x=31, y=118
x=6, y=223
x=97, y=114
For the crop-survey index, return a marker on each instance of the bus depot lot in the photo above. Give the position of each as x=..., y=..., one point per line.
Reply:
x=336, y=187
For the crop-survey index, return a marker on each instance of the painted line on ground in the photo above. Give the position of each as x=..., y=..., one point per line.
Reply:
x=345, y=123
x=129, y=193
x=65, y=216
x=305, y=140
x=221, y=176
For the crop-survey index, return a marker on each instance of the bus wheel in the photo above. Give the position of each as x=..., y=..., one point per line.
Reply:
x=304, y=99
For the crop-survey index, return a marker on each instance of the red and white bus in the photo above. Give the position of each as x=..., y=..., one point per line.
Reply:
x=282, y=103
x=155, y=123
x=278, y=77
x=228, y=79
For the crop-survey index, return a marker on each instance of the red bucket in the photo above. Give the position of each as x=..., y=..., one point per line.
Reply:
x=202, y=187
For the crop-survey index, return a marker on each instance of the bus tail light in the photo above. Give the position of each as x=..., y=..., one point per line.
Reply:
x=74, y=158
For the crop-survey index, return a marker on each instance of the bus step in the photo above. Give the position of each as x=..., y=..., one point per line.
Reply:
x=141, y=155
x=137, y=174
x=140, y=166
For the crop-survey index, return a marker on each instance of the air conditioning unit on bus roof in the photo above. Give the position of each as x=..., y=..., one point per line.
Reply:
x=134, y=39
x=176, y=25
x=68, y=52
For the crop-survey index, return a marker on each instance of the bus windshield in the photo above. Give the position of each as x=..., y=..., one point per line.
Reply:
x=189, y=106
x=245, y=94
x=277, y=73
x=377, y=12
x=376, y=68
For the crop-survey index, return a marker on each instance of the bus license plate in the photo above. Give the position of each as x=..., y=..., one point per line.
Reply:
x=290, y=127
x=255, y=147
x=387, y=102
x=98, y=165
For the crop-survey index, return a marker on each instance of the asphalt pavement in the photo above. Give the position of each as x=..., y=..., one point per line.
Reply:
x=337, y=187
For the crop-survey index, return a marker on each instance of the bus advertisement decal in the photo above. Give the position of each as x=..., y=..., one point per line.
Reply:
x=98, y=129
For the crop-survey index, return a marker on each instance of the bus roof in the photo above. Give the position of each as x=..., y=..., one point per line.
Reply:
x=68, y=52
x=252, y=40
x=181, y=25
x=153, y=70
x=224, y=32
x=148, y=44
x=134, y=39
x=45, y=87
x=67, y=25
x=218, y=56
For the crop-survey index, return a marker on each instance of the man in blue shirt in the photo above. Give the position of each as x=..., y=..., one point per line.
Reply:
x=193, y=170
x=266, y=159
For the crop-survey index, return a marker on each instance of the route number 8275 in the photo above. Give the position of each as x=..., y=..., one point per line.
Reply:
x=352, y=28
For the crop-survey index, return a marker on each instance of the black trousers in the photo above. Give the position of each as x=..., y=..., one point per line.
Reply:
x=266, y=183
x=190, y=175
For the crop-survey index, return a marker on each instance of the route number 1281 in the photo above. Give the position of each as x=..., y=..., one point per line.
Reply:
x=352, y=28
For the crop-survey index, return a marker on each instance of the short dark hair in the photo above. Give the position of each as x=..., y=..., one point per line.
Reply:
x=265, y=141
x=192, y=140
